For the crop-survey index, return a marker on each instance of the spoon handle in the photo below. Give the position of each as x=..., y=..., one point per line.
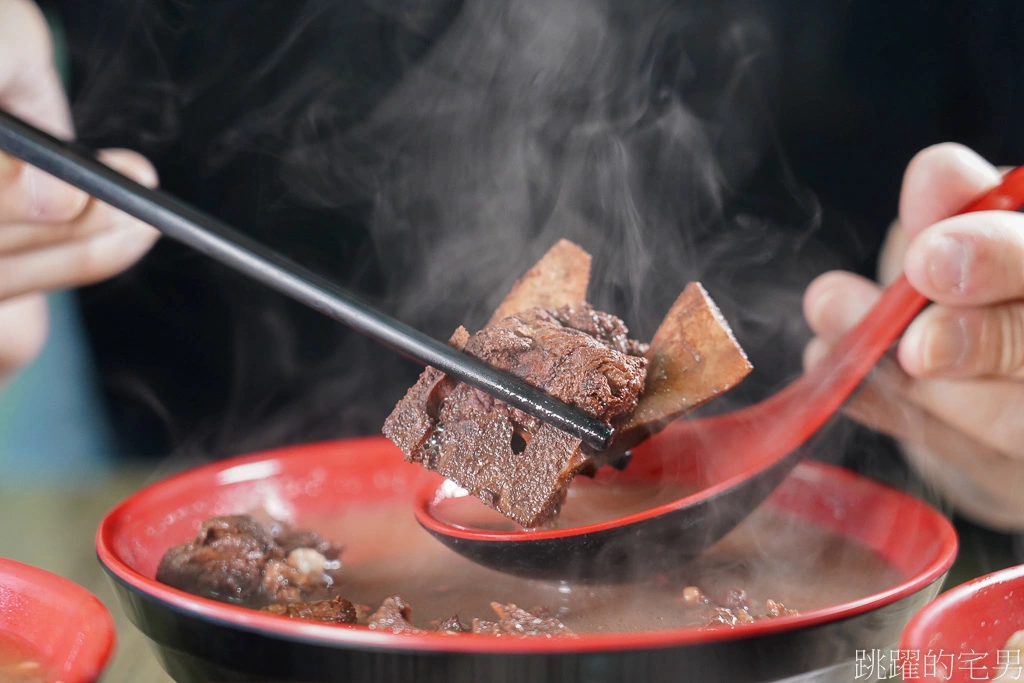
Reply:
x=783, y=422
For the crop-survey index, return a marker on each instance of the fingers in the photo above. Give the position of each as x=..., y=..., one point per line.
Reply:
x=965, y=343
x=939, y=182
x=836, y=301
x=23, y=321
x=970, y=260
x=27, y=195
x=987, y=409
x=77, y=263
x=102, y=242
x=892, y=254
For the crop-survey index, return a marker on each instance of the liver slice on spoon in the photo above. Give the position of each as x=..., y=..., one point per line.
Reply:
x=472, y=439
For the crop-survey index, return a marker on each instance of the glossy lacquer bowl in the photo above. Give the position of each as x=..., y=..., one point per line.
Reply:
x=47, y=616
x=203, y=640
x=962, y=634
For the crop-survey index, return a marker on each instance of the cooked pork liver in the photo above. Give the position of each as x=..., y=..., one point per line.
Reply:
x=393, y=615
x=546, y=334
x=513, y=621
x=336, y=610
x=450, y=625
x=732, y=609
x=508, y=459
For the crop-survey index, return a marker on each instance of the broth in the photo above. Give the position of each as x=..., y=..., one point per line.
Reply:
x=772, y=555
x=19, y=663
x=585, y=503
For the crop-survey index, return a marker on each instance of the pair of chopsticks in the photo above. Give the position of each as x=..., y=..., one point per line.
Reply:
x=187, y=225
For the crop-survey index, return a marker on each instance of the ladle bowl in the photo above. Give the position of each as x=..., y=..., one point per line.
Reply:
x=741, y=457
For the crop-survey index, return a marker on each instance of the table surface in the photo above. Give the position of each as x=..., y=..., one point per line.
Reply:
x=54, y=529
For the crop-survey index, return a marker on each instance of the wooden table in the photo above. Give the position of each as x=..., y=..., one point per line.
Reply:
x=54, y=529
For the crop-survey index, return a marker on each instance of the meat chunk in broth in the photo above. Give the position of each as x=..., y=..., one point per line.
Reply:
x=239, y=559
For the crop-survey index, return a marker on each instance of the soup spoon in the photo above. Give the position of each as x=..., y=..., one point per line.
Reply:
x=732, y=461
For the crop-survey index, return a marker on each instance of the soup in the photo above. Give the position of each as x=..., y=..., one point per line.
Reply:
x=771, y=556
x=19, y=663
x=585, y=503
x=770, y=565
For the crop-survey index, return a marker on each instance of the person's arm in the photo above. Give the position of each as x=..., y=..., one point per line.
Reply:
x=51, y=235
x=956, y=399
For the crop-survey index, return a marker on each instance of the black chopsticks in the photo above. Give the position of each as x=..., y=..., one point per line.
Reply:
x=209, y=236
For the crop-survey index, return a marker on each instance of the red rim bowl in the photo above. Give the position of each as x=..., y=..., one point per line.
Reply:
x=61, y=621
x=311, y=479
x=964, y=629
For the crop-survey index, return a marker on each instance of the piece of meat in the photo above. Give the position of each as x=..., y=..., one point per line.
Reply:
x=413, y=421
x=732, y=609
x=508, y=459
x=604, y=327
x=393, y=615
x=559, y=279
x=513, y=621
x=225, y=560
x=545, y=333
x=693, y=358
x=449, y=625
x=244, y=559
x=564, y=362
x=337, y=610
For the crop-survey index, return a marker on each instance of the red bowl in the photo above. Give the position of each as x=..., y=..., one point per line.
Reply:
x=963, y=631
x=63, y=624
x=201, y=639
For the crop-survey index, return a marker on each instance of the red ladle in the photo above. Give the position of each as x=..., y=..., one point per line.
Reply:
x=736, y=459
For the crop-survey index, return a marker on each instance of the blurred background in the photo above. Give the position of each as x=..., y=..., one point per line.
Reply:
x=424, y=153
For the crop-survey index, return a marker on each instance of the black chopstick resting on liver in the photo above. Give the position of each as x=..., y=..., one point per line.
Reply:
x=185, y=224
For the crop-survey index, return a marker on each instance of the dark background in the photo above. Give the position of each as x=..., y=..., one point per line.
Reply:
x=194, y=358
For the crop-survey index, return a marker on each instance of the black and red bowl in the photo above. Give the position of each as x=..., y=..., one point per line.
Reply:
x=203, y=640
x=55, y=623
x=962, y=635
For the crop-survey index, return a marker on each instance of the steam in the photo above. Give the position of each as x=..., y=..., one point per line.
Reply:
x=494, y=128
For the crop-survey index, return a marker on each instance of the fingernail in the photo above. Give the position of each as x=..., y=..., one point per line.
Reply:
x=945, y=345
x=947, y=265
x=814, y=352
x=44, y=192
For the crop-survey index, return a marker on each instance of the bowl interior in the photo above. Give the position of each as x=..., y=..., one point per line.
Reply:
x=965, y=629
x=359, y=493
x=52, y=622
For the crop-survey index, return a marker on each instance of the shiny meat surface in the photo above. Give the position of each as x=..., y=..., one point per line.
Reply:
x=225, y=560
x=451, y=625
x=510, y=460
x=239, y=559
x=513, y=621
x=336, y=610
x=733, y=608
x=393, y=615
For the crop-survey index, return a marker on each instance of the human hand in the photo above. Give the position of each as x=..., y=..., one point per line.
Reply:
x=52, y=236
x=955, y=400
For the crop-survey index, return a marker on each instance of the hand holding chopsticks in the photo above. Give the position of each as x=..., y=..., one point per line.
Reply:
x=183, y=223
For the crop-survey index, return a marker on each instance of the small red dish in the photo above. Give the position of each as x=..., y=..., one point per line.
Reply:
x=46, y=616
x=962, y=634
x=202, y=640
